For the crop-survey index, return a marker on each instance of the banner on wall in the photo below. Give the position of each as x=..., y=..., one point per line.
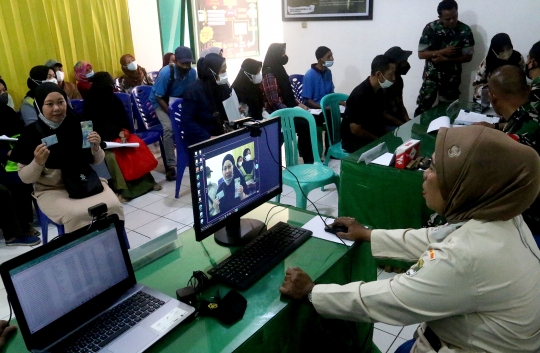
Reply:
x=229, y=24
x=317, y=10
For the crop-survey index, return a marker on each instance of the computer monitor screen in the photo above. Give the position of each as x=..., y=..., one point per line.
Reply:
x=230, y=176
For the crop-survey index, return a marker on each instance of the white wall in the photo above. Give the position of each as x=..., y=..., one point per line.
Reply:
x=398, y=22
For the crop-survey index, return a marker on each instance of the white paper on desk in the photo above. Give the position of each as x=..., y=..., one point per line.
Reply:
x=118, y=144
x=5, y=138
x=342, y=109
x=316, y=225
x=436, y=124
x=468, y=118
x=315, y=111
x=231, y=105
x=386, y=159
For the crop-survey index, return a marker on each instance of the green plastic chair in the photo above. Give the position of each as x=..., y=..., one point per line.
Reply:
x=310, y=176
x=335, y=150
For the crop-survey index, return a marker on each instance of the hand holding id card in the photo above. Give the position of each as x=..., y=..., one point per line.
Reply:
x=87, y=127
x=50, y=140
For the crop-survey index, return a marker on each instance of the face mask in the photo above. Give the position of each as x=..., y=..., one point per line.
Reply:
x=132, y=66
x=223, y=79
x=90, y=74
x=386, y=83
x=247, y=157
x=3, y=99
x=505, y=55
x=402, y=70
x=528, y=71
x=284, y=60
x=328, y=63
x=47, y=122
x=60, y=76
x=53, y=80
x=183, y=71
x=239, y=164
x=228, y=180
x=256, y=79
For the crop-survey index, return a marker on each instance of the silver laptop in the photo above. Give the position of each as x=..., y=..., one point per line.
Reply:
x=79, y=294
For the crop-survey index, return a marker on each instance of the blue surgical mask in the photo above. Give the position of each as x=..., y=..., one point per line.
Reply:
x=90, y=74
x=328, y=63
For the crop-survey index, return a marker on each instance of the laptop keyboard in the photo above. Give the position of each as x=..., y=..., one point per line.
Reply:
x=113, y=323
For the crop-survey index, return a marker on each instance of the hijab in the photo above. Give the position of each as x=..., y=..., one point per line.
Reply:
x=273, y=64
x=133, y=78
x=498, y=42
x=484, y=174
x=38, y=74
x=81, y=68
x=167, y=58
x=68, y=152
x=215, y=50
x=248, y=92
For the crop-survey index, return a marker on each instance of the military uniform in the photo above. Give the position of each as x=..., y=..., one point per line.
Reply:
x=524, y=126
x=534, y=96
x=443, y=78
x=475, y=285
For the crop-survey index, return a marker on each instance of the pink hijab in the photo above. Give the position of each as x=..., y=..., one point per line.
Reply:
x=81, y=68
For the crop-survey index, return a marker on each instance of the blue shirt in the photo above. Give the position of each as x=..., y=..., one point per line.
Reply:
x=317, y=84
x=177, y=88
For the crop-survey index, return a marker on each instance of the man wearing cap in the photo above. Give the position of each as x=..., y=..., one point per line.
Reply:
x=70, y=88
x=445, y=44
x=393, y=95
x=171, y=84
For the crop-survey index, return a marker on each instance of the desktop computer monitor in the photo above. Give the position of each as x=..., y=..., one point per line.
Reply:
x=231, y=175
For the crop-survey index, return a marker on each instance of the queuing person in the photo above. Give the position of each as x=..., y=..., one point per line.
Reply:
x=48, y=165
x=215, y=50
x=501, y=52
x=445, y=44
x=364, y=121
x=83, y=72
x=233, y=189
x=110, y=121
x=203, y=114
x=532, y=68
x=395, y=111
x=171, y=84
x=278, y=94
x=134, y=75
x=211, y=189
x=481, y=181
x=248, y=165
x=70, y=88
x=38, y=74
x=318, y=79
x=5, y=97
x=247, y=86
x=168, y=58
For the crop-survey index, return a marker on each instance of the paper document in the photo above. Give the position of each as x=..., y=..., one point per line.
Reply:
x=468, y=118
x=436, y=124
x=118, y=144
x=5, y=138
x=386, y=159
x=341, y=109
x=316, y=225
x=231, y=105
x=315, y=111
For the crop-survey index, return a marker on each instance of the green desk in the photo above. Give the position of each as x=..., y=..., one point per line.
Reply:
x=271, y=323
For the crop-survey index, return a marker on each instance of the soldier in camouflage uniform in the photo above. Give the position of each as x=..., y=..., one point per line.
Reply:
x=445, y=44
x=532, y=68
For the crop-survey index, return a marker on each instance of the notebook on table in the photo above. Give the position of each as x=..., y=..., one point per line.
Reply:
x=79, y=294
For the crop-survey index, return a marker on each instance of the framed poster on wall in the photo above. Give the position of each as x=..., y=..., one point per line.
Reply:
x=326, y=10
x=229, y=24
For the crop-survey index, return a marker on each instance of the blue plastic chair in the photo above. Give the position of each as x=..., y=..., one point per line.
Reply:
x=77, y=105
x=310, y=176
x=297, y=84
x=44, y=224
x=175, y=114
x=334, y=132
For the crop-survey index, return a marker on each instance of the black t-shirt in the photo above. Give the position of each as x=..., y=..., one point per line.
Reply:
x=393, y=98
x=365, y=107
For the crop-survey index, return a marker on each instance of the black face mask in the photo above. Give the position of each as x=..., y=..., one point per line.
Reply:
x=3, y=99
x=284, y=60
x=402, y=70
x=183, y=71
x=528, y=71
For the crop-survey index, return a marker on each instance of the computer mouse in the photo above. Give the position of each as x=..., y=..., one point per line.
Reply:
x=336, y=229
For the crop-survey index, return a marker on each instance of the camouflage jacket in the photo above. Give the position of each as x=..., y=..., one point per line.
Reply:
x=435, y=37
x=524, y=126
x=534, y=96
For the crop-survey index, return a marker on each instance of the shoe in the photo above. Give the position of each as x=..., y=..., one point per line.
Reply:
x=24, y=241
x=157, y=187
x=33, y=232
x=171, y=174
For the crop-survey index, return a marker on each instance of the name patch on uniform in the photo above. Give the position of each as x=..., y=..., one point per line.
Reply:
x=415, y=268
x=431, y=255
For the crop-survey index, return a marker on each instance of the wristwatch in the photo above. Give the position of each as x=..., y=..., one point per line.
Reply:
x=310, y=296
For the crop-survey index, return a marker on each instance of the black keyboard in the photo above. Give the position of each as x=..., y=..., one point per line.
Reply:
x=112, y=324
x=249, y=264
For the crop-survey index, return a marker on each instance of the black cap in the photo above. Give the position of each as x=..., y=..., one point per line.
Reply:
x=397, y=54
x=184, y=55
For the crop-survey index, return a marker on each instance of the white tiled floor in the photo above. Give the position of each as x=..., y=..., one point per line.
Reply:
x=158, y=212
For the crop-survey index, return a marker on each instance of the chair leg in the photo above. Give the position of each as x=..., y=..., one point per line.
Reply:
x=301, y=201
x=278, y=198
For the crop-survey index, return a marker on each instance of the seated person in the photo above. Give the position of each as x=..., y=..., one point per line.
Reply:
x=247, y=86
x=134, y=75
x=232, y=190
x=83, y=73
x=318, y=80
x=248, y=165
x=47, y=166
x=395, y=111
x=168, y=58
x=110, y=121
x=203, y=114
x=38, y=75
x=501, y=52
x=5, y=96
x=70, y=88
x=363, y=121
x=475, y=284
x=532, y=69
x=11, y=224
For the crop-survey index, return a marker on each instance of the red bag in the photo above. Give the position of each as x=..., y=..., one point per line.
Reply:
x=134, y=162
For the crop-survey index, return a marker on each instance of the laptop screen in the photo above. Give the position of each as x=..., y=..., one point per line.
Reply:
x=56, y=283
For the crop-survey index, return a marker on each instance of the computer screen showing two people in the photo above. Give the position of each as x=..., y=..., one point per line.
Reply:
x=230, y=176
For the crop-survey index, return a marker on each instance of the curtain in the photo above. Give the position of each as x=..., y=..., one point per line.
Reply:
x=34, y=31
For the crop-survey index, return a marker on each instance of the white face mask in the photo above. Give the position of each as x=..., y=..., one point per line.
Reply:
x=239, y=164
x=386, y=83
x=256, y=79
x=505, y=55
x=328, y=63
x=223, y=79
x=90, y=74
x=132, y=66
x=247, y=157
x=53, y=80
x=60, y=76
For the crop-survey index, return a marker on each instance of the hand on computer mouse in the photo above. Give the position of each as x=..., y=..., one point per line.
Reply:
x=355, y=230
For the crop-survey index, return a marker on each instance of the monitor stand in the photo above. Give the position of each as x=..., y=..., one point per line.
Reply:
x=239, y=231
